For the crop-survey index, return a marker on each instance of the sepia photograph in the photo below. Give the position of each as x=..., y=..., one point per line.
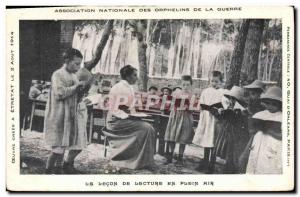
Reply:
x=151, y=96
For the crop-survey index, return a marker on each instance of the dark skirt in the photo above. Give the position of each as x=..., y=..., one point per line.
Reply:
x=230, y=143
x=180, y=127
x=132, y=143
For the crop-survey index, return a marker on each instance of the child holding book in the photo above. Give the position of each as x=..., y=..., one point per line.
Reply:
x=232, y=136
x=266, y=149
x=210, y=100
x=253, y=92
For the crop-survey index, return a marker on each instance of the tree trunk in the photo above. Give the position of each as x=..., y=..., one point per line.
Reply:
x=273, y=55
x=92, y=63
x=142, y=57
x=271, y=65
x=233, y=77
x=259, y=62
x=265, y=76
x=252, y=47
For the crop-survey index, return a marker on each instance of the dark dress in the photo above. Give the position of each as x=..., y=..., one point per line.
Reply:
x=254, y=107
x=132, y=143
x=180, y=124
x=131, y=140
x=232, y=138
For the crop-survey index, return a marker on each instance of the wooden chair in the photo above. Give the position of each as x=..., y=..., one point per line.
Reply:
x=105, y=143
x=96, y=119
x=37, y=109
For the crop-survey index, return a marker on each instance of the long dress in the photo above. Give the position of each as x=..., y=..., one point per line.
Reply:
x=231, y=139
x=266, y=150
x=131, y=141
x=205, y=132
x=60, y=124
x=180, y=124
x=254, y=107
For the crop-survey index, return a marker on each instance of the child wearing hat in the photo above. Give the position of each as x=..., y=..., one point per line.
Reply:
x=231, y=138
x=176, y=88
x=152, y=90
x=266, y=149
x=164, y=105
x=166, y=91
x=165, y=99
x=205, y=132
x=253, y=91
x=180, y=125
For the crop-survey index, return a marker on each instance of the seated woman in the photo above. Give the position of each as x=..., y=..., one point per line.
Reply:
x=131, y=140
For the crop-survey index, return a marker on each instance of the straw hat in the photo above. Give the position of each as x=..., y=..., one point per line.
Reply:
x=152, y=87
x=273, y=93
x=166, y=87
x=257, y=84
x=177, y=87
x=235, y=92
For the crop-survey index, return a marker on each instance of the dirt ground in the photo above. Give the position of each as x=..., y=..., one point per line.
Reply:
x=92, y=161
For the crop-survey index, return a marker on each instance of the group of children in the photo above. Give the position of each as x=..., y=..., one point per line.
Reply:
x=242, y=126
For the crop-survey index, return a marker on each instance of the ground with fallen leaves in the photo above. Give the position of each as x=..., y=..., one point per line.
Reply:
x=92, y=161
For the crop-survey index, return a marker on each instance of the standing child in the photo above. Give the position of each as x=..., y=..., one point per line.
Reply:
x=60, y=125
x=165, y=100
x=253, y=92
x=180, y=124
x=164, y=105
x=266, y=150
x=232, y=136
x=205, y=132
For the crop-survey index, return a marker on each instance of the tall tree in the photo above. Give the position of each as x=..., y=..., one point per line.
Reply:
x=141, y=27
x=233, y=76
x=252, y=48
x=92, y=63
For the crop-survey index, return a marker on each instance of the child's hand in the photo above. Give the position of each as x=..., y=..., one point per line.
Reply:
x=237, y=111
x=245, y=112
x=80, y=85
x=220, y=111
x=87, y=101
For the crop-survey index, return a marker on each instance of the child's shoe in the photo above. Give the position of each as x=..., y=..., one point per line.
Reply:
x=169, y=159
x=202, y=167
x=69, y=169
x=49, y=171
x=58, y=170
x=179, y=162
